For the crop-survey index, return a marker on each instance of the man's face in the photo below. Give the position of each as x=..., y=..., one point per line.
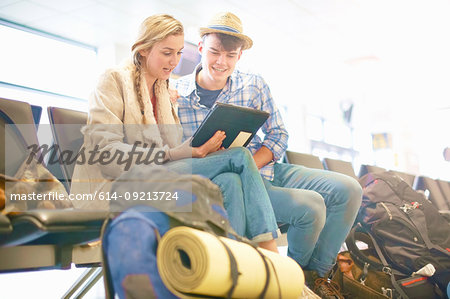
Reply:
x=217, y=63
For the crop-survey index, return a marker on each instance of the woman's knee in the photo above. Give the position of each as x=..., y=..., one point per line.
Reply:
x=230, y=185
x=228, y=178
x=243, y=154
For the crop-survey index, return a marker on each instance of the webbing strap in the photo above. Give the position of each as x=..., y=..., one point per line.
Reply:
x=266, y=266
x=387, y=268
x=419, y=218
x=276, y=277
x=234, y=271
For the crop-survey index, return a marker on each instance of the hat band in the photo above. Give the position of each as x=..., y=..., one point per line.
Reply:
x=224, y=28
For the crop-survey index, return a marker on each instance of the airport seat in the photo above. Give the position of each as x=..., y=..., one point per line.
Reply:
x=66, y=125
x=37, y=113
x=37, y=225
x=407, y=177
x=435, y=195
x=5, y=224
x=18, y=116
x=365, y=169
x=303, y=159
x=43, y=239
x=340, y=166
x=445, y=190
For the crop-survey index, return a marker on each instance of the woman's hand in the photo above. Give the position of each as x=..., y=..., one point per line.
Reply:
x=210, y=146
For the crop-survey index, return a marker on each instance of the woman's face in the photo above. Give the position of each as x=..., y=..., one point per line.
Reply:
x=163, y=57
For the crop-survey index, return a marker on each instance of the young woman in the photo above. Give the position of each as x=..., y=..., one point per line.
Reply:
x=131, y=109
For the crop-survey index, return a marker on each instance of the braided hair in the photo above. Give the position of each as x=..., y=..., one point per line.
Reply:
x=152, y=30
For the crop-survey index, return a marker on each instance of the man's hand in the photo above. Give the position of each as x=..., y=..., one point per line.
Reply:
x=174, y=95
x=262, y=157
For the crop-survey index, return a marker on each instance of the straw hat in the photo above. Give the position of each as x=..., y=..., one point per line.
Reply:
x=227, y=23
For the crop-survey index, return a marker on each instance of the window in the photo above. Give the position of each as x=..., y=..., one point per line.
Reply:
x=38, y=60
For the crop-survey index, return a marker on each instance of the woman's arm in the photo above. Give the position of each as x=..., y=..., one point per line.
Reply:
x=106, y=127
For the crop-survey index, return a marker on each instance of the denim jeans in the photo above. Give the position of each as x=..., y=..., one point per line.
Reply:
x=245, y=198
x=320, y=207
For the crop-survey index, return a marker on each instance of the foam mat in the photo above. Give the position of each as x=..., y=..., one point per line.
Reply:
x=193, y=263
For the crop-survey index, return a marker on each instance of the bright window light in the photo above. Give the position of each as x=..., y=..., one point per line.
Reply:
x=40, y=62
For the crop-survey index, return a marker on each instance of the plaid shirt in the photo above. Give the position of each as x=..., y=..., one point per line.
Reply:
x=242, y=89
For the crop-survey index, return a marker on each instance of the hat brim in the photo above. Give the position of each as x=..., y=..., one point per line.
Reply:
x=248, y=43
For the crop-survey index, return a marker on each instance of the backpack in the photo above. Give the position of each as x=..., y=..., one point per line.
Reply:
x=406, y=230
x=131, y=234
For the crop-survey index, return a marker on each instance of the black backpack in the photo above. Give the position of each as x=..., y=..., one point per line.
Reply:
x=407, y=231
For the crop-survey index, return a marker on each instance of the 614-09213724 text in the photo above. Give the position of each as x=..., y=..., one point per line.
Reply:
x=149, y=195
x=108, y=196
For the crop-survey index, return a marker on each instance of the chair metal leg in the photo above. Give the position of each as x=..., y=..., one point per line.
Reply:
x=86, y=276
x=90, y=283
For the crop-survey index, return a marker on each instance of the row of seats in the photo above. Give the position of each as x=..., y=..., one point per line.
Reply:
x=438, y=191
x=46, y=239
x=49, y=239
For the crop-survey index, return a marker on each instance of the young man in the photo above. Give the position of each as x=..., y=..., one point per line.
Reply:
x=319, y=206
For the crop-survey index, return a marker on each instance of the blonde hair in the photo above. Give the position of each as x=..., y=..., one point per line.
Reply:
x=152, y=30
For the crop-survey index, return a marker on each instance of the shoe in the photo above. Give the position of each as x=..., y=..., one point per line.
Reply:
x=308, y=294
x=327, y=289
x=310, y=278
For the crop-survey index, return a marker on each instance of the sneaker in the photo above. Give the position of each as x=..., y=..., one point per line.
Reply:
x=327, y=289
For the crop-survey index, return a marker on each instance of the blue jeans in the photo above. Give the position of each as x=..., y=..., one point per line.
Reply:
x=320, y=207
x=245, y=198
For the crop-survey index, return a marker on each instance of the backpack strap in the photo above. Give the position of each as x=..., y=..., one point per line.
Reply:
x=356, y=252
x=387, y=269
x=418, y=220
x=266, y=284
x=235, y=271
x=384, y=266
x=233, y=268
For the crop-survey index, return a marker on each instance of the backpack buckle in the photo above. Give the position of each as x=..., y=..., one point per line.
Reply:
x=387, y=270
x=406, y=208
x=363, y=277
x=415, y=204
x=387, y=292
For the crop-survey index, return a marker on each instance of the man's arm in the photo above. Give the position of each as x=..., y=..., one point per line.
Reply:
x=273, y=146
x=262, y=157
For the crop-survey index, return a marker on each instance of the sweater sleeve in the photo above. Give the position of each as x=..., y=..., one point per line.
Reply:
x=105, y=133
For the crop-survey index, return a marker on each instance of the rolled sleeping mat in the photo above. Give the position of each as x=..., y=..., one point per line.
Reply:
x=193, y=262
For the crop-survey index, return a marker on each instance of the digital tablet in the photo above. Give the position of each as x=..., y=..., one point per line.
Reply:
x=240, y=125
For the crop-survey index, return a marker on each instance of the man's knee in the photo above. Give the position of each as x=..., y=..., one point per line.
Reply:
x=309, y=208
x=350, y=192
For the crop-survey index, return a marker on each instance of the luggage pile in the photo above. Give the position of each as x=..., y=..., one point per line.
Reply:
x=408, y=254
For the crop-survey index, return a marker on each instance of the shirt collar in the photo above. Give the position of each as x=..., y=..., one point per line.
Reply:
x=192, y=87
x=191, y=82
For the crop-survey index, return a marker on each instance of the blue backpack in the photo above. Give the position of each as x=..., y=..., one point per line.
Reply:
x=130, y=236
